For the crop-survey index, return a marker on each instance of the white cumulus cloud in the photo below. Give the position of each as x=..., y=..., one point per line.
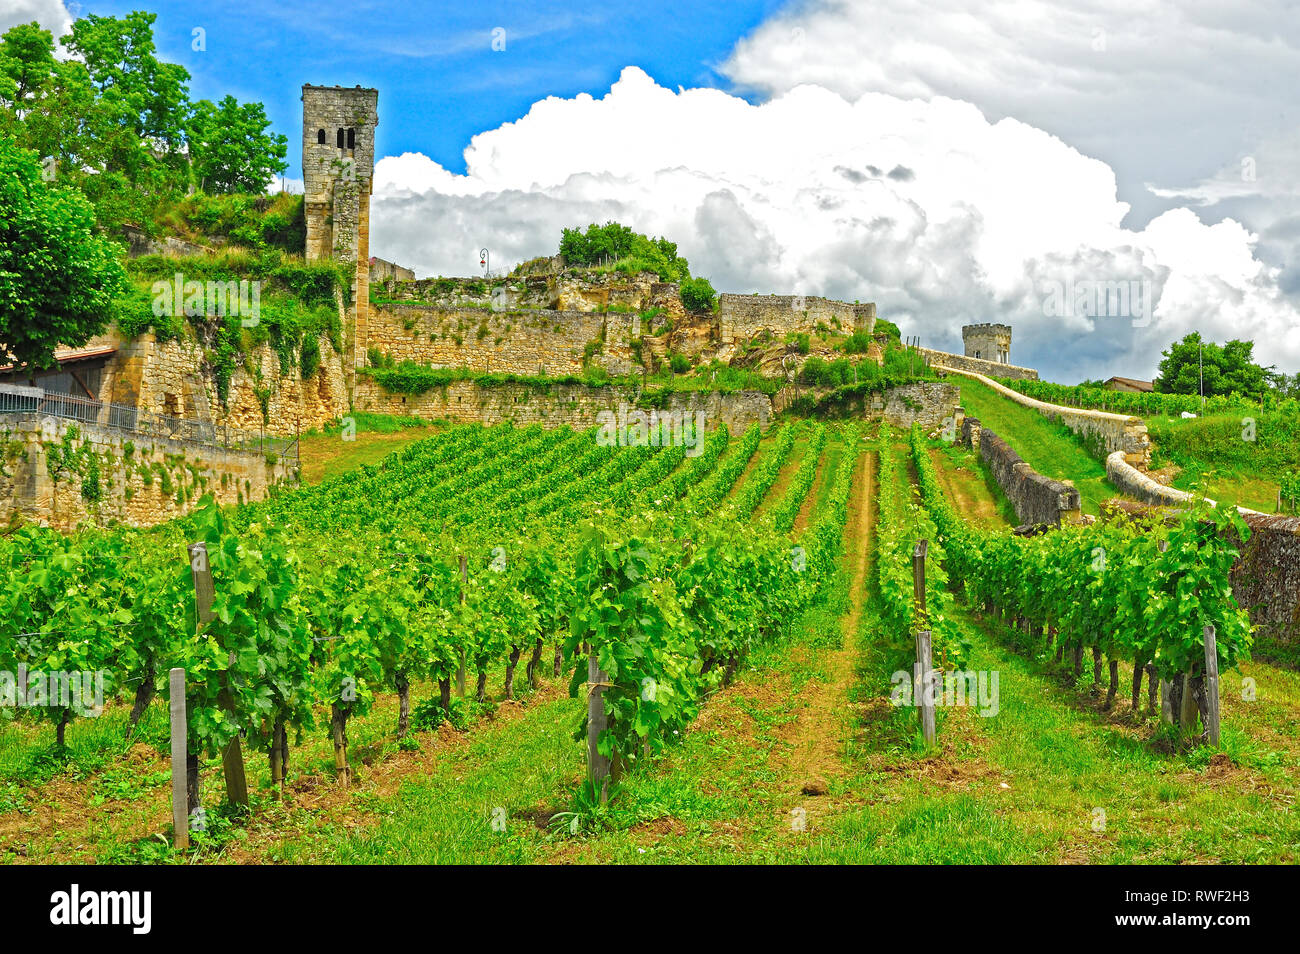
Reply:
x=52, y=15
x=924, y=206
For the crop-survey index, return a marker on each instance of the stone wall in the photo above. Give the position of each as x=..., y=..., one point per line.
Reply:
x=573, y=290
x=518, y=342
x=1106, y=431
x=1037, y=499
x=957, y=362
x=929, y=404
x=106, y=475
x=743, y=317
x=138, y=243
x=1266, y=578
x=558, y=405
x=170, y=378
x=382, y=271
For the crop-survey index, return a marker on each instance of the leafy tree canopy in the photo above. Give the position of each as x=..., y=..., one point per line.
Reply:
x=116, y=122
x=1224, y=368
x=617, y=246
x=230, y=147
x=57, y=279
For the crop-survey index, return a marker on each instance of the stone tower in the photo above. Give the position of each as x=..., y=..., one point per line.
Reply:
x=988, y=342
x=338, y=164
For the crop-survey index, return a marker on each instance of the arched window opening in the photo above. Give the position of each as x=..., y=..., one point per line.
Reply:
x=340, y=138
x=320, y=137
x=352, y=139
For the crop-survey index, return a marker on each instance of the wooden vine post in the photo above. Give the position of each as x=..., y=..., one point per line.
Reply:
x=464, y=582
x=598, y=766
x=180, y=761
x=924, y=673
x=1211, y=686
x=232, y=757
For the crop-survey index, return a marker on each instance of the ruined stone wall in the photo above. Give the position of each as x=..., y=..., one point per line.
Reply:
x=1036, y=498
x=382, y=271
x=1266, y=578
x=928, y=404
x=106, y=475
x=518, y=342
x=574, y=405
x=959, y=362
x=170, y=378
x=1106, y=431
x=743, y=317
x=578, y=290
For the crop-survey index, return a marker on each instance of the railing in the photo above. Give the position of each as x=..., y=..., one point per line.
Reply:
x=38, y=404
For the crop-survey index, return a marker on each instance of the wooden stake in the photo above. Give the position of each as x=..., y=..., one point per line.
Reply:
x=1211, y=686
x=598, y=766
x=922, y=691
x=180, y=792
x=918, y=575
x=232, y=757
x=464, y=582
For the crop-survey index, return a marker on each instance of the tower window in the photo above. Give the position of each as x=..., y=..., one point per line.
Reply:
x=320, y=137
x=340, y=138
x=352, y=139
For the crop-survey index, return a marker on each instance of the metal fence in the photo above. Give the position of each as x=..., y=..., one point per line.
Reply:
x=38, y=404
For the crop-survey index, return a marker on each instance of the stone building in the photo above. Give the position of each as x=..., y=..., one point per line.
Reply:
x=988, y=342
x=338, y=164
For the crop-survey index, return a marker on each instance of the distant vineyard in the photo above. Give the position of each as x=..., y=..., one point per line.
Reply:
x=1141, y=404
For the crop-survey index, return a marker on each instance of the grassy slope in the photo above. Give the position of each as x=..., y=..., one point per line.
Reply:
x=327, y=454
x=1216, y=460
x=971, y=487
x=1048, y=447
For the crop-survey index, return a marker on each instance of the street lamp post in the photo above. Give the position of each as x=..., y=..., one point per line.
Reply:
x=485, y=259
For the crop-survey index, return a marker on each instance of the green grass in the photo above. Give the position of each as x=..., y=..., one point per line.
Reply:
x=1216, y=457
x=333, y=451
x=1045, y=445
x=972, y=488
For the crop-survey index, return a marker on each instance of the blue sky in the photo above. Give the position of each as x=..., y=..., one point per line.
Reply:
x=440, y=81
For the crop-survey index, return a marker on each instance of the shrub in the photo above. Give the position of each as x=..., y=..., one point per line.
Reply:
x=698, y=295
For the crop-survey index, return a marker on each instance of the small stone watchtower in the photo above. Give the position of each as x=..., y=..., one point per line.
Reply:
x=988, y=342
x=338, y=164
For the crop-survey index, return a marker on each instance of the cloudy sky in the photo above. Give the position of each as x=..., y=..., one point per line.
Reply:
x=951, y=161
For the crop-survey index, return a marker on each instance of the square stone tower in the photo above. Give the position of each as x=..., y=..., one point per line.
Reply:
x=338, y=164
x=988, y=342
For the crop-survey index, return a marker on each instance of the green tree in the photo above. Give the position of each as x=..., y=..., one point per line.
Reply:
x=230, y=148
x=57, y=279
x=618, y=246
x=1223, y=369
x=27, y=65
x=44, y=102
x=133, y=153
x=697, y=294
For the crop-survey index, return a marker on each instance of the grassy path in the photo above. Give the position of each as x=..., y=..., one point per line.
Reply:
x=1045, y=445
x=970, y=487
